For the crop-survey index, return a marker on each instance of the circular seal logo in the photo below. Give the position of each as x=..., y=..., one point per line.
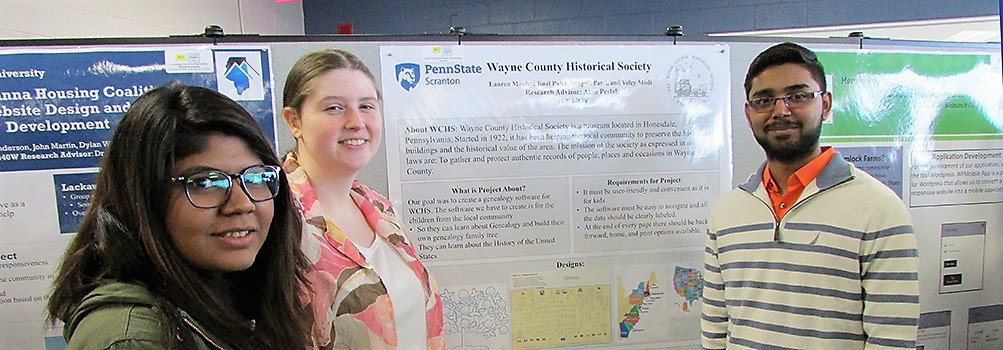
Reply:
x=690, y=79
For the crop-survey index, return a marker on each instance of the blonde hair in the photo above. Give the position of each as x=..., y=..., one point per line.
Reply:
x=303, y=74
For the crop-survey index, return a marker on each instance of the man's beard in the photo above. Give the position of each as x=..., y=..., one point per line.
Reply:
x=788, y=152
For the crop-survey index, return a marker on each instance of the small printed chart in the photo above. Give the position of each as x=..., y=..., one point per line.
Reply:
x=560, y=308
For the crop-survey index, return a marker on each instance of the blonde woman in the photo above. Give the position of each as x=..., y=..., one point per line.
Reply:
x=369, y=289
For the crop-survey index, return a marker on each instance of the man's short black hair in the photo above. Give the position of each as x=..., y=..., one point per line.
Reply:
x=783, y=54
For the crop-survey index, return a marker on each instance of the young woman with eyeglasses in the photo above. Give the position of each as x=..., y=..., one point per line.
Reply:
x=191, y=240
x=369, y=289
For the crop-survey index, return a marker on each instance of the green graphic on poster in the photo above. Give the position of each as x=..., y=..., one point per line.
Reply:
x=882, y=96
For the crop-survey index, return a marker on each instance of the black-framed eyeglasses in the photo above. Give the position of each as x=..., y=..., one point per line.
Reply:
x=211, y=188
x=795, y=100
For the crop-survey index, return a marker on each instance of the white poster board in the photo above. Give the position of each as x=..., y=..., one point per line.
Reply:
x=563, y=190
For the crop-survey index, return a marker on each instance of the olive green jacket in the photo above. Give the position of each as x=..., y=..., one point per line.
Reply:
x=126, y=316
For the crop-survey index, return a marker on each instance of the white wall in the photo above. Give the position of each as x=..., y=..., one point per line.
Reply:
x=34, y=19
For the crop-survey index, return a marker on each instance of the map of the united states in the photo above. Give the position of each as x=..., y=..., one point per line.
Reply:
x=688, y=283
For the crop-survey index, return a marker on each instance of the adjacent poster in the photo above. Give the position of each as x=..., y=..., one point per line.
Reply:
x=930, y=126
x=58, y=109
x=559, y=193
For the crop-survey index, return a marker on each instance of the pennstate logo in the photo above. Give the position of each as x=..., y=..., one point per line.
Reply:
x=408, y=75
x=690, y=79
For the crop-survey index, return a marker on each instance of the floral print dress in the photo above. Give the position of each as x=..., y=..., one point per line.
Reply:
x=351, y=306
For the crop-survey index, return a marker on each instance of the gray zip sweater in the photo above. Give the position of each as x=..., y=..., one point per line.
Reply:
x=838, y=271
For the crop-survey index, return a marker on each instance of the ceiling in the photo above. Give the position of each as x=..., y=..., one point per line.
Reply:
x=970, y=29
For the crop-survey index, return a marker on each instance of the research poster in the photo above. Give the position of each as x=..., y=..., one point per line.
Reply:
x=58, y=109
x=930, y=127
x=560, y=193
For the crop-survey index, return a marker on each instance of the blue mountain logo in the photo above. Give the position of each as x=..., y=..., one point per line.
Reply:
x=408, y=75
x=240, y=73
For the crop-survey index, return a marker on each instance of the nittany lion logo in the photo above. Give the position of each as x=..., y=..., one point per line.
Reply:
x=408, y=75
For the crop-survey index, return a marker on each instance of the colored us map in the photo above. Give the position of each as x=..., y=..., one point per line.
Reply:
x=688, y=283
x=633, y=305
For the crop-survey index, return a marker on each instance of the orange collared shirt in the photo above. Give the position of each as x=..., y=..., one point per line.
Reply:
x=796, y=182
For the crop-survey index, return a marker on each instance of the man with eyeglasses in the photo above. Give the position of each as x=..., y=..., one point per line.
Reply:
x=811, y=252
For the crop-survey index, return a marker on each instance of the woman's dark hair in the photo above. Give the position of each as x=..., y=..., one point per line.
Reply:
x=785, y=53
x=123, y=236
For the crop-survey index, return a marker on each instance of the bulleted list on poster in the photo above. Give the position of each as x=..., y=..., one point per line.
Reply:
x=532, y=166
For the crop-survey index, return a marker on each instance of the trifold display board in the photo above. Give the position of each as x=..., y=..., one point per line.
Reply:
x=557, y=187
